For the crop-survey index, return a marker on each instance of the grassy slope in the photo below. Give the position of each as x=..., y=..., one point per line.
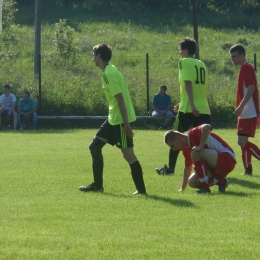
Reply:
x=131, y=39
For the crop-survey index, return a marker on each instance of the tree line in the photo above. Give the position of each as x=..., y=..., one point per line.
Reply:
x=217, y=6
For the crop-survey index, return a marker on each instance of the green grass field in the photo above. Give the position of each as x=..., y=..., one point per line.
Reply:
x=45, y=216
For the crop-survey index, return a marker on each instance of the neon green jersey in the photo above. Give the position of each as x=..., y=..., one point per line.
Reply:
x=113, y=84
x=194, y=70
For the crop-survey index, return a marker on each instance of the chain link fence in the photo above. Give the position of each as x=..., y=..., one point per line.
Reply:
x=76, y=90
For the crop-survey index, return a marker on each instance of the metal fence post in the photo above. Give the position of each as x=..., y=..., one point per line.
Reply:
x=40, y=84
x=147, y=84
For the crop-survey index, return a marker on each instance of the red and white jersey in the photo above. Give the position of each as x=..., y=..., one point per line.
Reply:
x=213, y=142
x=246, y=77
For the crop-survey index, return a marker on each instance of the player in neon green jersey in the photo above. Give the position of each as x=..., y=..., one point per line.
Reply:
x=116, y=130
x=193, y=109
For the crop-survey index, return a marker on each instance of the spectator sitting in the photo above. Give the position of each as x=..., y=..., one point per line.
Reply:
x=7, y=105
x=162, y=107
x=27, y=107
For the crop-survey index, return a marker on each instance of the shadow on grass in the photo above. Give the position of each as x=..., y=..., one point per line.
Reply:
x=174, y=202
x=246, y=182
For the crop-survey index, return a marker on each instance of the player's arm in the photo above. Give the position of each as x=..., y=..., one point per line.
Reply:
x=186, y=175
x=249, y=93
x=205, y=129
x=176, y=108
x=188, y=87
x=123, y=111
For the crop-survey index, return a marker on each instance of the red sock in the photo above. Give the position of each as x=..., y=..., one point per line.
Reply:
x=246, y=155
x=214, y=181
x=201, y=171
x=255, y=151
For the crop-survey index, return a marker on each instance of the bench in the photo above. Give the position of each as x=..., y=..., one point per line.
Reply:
x=63, y=120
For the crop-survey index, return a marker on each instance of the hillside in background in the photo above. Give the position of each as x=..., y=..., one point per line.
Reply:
x=71, y=84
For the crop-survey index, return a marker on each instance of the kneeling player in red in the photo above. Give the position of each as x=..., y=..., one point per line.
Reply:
x=212, y=157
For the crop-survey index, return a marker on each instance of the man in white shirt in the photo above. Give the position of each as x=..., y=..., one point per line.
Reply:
x=7, y=105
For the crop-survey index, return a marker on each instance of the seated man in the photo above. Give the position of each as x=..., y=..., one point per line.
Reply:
x=26, y=108
x=212, y=157
x=162, y=107
x=7, y=105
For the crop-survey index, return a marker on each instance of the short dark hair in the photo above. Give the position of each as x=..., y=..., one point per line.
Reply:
x=7, y=86
x=104, y=50
x=189, y=44
x=170, y=136
x=164, y=87
x=238, y=48
x=26, y=92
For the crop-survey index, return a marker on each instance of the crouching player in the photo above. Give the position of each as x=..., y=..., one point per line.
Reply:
x=212, y=157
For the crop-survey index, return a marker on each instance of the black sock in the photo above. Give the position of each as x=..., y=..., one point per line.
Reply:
x=173, y=155
x=137, y=175
x=97, y=167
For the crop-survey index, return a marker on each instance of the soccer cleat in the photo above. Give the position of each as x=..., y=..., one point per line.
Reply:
x=222, y=188
x=248, y=171
x=164, y=171
x=92, y=187
x=203, y=191
x=139, y=193
x=247, y=174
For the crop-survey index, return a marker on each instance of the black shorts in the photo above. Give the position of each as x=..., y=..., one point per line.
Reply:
x=184, y=121
x=115, y=135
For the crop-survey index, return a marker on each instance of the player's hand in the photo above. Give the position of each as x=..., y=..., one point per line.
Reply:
x=197, y=148
x=195, y=112
x=238, y=111
x=128, y=131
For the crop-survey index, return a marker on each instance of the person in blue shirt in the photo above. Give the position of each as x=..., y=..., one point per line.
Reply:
x=27, y=107
x=162, y=107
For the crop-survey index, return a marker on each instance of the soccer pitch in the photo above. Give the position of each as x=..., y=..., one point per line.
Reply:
x=45, y=216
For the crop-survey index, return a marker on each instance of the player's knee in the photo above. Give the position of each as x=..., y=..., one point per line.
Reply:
x=241, y=142
x=96, y=149
x=193, y=181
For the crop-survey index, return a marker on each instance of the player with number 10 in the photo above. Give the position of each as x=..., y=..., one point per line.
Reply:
x=193, y=109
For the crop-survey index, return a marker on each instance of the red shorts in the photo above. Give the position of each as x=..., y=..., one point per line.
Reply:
x=246, y=126
x=225, y=165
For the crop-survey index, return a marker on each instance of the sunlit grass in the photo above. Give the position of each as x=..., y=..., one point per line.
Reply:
x=45, y=216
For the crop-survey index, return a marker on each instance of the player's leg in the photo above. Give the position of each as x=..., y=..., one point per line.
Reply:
x=168, y=117
x=136, y=169
x=225, y=164
x=202, y=160
x=181, y=124
x=97, y=161
x=126, y=145
x=245, y=129
x=95, y=148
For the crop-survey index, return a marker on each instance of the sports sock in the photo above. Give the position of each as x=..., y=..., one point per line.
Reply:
x=97, y=167
x=137, y=175
x=246, y=155
x=201, y=171
x=173, y=155
x=214, y=181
